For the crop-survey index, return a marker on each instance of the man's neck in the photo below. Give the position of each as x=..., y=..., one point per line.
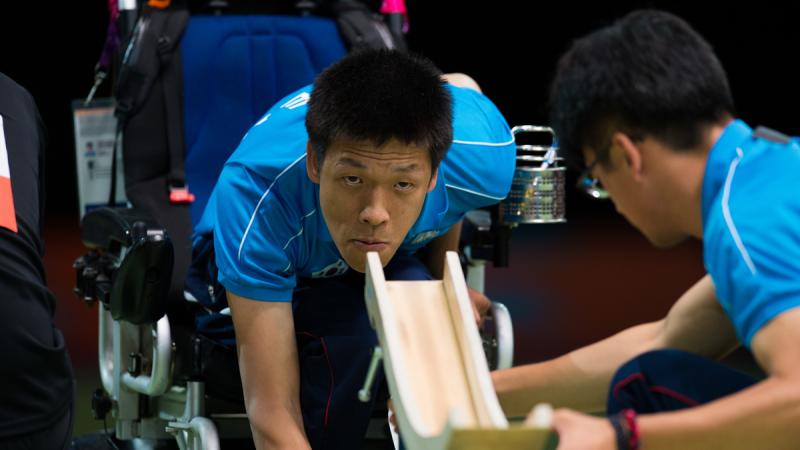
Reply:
x=690, y=173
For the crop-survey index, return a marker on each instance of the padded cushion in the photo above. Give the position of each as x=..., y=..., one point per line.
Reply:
x=234, y=69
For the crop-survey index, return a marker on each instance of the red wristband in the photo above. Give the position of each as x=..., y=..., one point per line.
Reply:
x=630, y=419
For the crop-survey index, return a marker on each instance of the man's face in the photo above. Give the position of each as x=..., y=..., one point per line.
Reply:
x=637, y=191
x=370, y=197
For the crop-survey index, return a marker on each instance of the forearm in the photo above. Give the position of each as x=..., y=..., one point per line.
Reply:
x=763, y=416
x=439, y=247
x=269, y=368
x=274, y=413
x=277, y=426
x=273, y=402
x=578, y=380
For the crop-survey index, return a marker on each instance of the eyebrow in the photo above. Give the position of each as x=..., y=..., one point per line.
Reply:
x=413, y=167
x=351, y=162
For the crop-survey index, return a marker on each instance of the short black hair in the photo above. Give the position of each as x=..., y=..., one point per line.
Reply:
x=649, y=73
x=379, y=95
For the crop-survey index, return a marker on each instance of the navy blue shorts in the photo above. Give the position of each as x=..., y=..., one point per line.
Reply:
x=668, y=380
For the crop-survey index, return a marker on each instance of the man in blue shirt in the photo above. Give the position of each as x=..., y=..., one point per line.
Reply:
x=645, y=105
x=382, y=155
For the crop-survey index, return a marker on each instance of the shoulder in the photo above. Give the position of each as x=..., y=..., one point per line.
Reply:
x=757, y=198
x=15, y=101
x=476, y=118
x=278, y=138
x=480, y=163
x=271, y=156
x=10, y=87
x=275, y=195
x=751, y=241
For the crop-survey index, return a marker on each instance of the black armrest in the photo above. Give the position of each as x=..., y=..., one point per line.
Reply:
x=111, y=228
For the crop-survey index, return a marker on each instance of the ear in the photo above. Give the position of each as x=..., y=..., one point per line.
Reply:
x=631, y=153
x=434, y=179
x=312, y=165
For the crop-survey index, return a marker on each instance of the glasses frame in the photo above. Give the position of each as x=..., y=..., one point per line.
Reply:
x=590, y=185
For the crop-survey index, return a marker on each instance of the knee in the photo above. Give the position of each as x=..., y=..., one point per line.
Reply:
x=646, y=363
x=462, y=80
x=632, y=380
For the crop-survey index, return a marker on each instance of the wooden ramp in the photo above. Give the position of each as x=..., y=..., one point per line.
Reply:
x=434, y=363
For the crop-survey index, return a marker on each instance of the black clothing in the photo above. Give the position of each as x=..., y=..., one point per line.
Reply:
x=36, y=380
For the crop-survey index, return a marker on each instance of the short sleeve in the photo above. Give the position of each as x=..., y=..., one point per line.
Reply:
x=753, y=253
x=253, y=225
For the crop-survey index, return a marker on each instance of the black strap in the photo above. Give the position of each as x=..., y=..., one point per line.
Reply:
x=150, y=48
x=172, y=87
x=622, y=434
x=152, y=54
x=112, y=195
x=362, y=28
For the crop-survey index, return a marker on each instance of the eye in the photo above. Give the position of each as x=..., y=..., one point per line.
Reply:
x=404, y=186
x=351, y=180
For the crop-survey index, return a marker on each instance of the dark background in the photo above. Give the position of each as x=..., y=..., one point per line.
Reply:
x=568, y=284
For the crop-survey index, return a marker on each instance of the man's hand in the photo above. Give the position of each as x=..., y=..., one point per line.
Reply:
x=578, y=431
x=480, y=306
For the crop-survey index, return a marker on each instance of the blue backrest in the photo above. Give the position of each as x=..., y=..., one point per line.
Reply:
x=234, y=69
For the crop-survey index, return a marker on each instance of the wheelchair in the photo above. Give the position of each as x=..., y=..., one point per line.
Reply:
x=161, y=380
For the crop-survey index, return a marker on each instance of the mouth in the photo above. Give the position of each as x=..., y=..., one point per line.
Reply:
x=370, y=245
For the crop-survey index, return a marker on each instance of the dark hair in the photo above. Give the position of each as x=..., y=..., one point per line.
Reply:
x=379, y=95
x=649, y=73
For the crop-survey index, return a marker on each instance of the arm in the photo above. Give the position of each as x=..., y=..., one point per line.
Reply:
x=265, y=341
x=580, y=379
x=438, y=247
x=435, y=262
x=762, y=416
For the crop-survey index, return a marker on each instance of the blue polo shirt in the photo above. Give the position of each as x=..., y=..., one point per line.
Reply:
x=751, y=226
x=264, y=212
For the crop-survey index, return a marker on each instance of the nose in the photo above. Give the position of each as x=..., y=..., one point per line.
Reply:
x=374, y=213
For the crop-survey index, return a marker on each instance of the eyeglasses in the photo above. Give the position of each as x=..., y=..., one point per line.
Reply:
x=590, y=185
